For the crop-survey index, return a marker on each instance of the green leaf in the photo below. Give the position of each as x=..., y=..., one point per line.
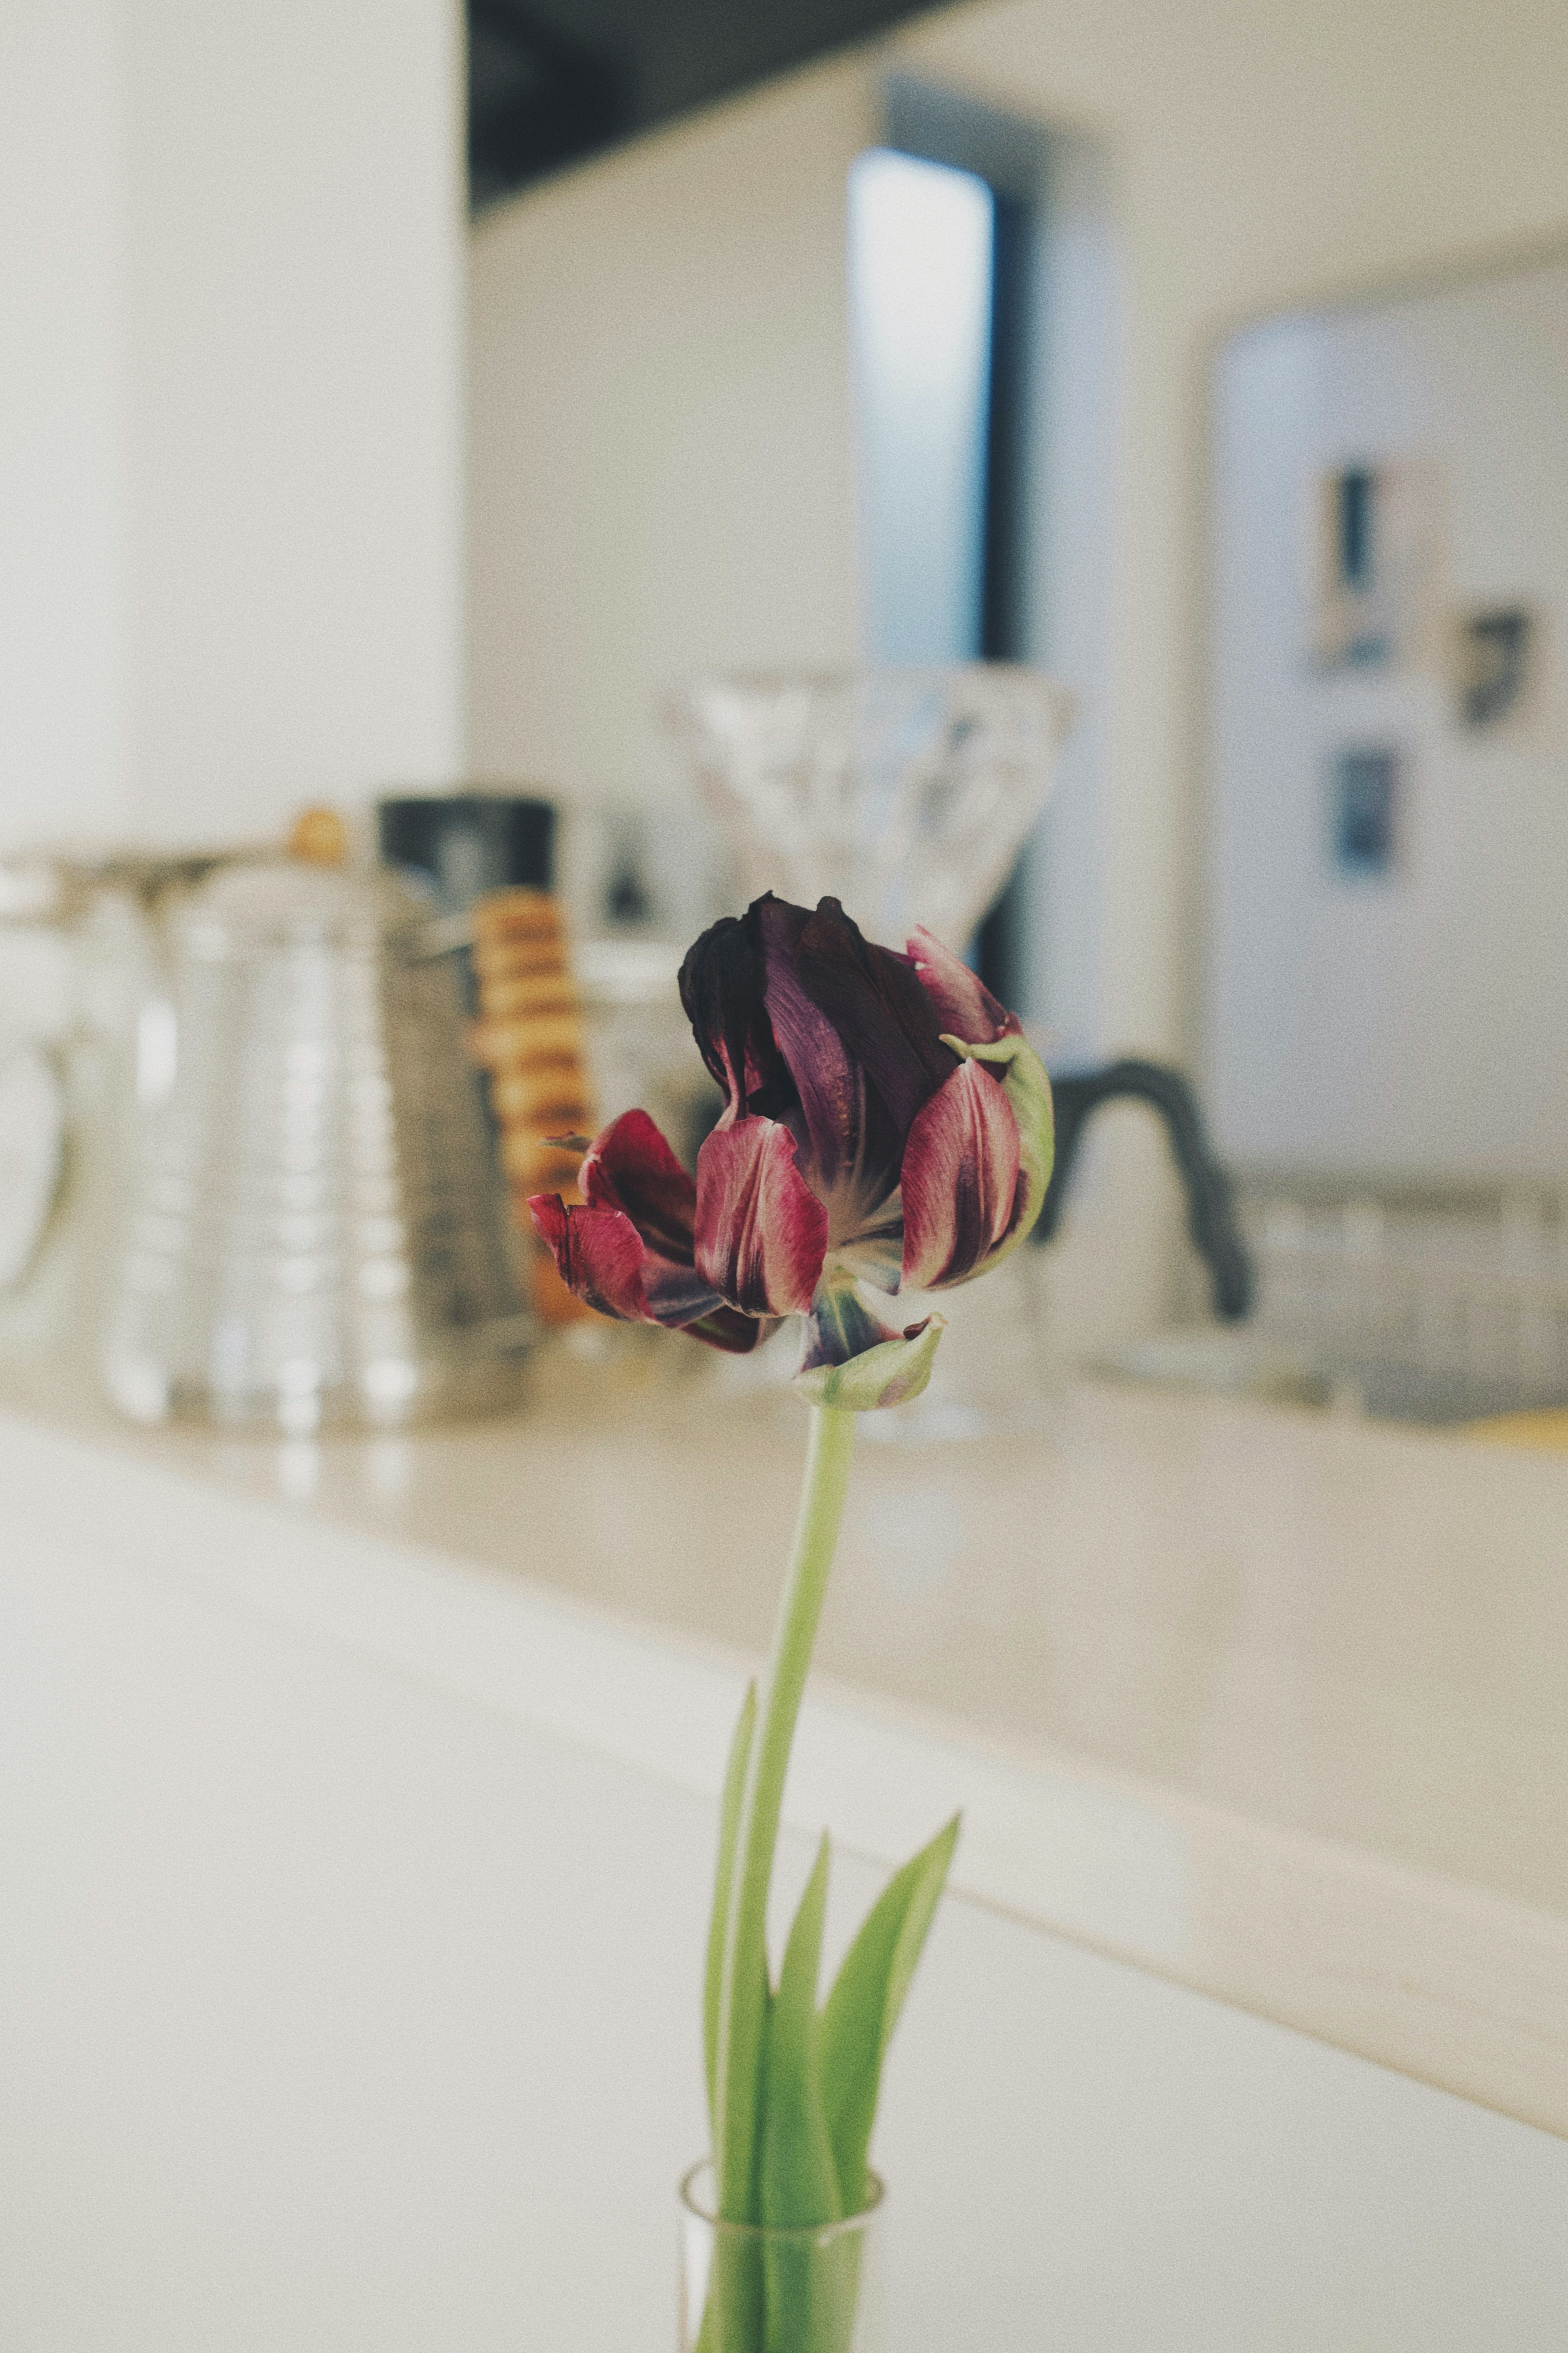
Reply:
x=890, y=1374
x=799, y=2177
x=863, y=2008
x=729, y=1831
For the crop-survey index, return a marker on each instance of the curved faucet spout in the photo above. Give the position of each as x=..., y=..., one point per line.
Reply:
x=1211, y=1208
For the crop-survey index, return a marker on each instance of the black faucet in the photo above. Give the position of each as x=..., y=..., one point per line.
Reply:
x=1211, y=1209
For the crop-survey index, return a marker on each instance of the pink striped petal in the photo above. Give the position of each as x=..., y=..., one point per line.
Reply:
x=599, y=1254
x=762, y=1233
x=832, y=1092
x=959, y=1180
x=602, y=1257
x=630, y=1167
x=965, y=1006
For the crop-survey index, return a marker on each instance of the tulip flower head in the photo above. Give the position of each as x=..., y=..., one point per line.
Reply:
x=884, y=1123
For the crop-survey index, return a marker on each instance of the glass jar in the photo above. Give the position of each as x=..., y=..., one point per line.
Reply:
x=748, y=2288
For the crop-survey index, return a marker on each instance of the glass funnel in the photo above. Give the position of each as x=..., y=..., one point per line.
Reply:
x=906, y=794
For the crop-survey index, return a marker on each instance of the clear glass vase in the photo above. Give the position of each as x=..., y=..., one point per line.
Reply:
x=746, y=2288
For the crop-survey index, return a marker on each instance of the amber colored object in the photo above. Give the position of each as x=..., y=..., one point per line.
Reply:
x=319, y=837
x=528, y=1037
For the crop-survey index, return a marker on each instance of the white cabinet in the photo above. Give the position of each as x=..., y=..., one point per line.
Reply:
x=340, y=2010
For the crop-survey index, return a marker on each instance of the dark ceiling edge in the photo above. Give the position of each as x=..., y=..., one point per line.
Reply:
x=865, y=44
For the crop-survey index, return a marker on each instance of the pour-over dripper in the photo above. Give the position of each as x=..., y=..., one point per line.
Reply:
x=906, y=794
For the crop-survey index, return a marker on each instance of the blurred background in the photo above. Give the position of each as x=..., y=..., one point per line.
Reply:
x=392, y=403
x=481, y=493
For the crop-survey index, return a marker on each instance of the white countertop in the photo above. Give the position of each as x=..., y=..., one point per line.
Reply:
x=1272, y=1704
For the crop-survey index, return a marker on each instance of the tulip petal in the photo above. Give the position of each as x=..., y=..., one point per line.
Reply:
x=630, y=1167
x=832, y=1092
x=599, y=1254
x=601, y=1257
x=960, y=998
x=1028, y=1089
x=722, y=983
x=727, y=1328
x=884, y=1020
x=960, y=1186
x=762, y=1233
x=841, y=1325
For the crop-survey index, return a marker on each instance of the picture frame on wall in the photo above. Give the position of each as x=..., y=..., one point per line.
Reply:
x=1378, y=570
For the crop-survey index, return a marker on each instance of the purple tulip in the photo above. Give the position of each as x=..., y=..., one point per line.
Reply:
x=883, y=1121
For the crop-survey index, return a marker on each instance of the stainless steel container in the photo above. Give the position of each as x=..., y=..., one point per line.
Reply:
x=320, y=1236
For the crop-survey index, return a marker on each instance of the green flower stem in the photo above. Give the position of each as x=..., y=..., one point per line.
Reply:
x=744, y=1982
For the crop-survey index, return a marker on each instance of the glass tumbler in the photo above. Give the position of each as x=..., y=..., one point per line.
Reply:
x=747, y=2288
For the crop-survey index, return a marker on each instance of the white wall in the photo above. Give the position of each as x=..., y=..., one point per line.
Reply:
x=657, y=350
x=658, y=342
x=1262, y=150
x=62, y=473
x=1259, y=151
x=660, y=473
x=230, y=399
x=1411, y=1021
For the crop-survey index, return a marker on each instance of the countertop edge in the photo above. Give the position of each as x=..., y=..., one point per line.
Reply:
x=1437, y=1978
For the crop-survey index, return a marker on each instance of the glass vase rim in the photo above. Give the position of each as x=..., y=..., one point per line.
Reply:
x=803, y=2235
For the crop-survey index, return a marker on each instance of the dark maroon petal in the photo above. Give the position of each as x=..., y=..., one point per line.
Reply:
x=722, y=983
x=832, y=1092
x=960, y=1186
x=762, y=1233
x=601, y=1257
x=736, y=1334
x=964, y=1007
x=676, y=1294
x=630, y=1167
x=885, y=1021
x=599, y=1254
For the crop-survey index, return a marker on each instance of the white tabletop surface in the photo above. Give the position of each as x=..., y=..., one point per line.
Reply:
x=1272, y=1703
